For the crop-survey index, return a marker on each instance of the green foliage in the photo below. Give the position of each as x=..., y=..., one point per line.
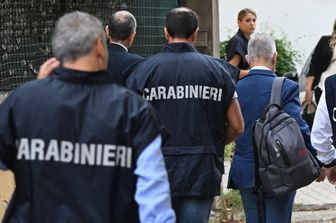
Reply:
x=287, y=55
x=232, y=204
x=228, y=152
x=222, y=47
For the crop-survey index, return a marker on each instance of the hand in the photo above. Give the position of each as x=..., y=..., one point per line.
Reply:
x=331, y=174
x=47, y=67
x=322, y=175
x=309, y=97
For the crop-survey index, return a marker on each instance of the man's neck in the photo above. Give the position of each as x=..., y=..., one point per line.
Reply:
x=264, y=64
x=179, y=40
x=83, y=64
x=120, y=44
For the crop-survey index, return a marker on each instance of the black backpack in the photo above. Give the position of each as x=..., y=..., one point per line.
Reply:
x=282, y=161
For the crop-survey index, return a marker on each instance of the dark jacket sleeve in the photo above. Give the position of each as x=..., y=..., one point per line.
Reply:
x=233, y=71
x=235, y=46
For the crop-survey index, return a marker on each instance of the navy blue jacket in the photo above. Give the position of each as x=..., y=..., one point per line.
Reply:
x=254, y=92
x=119, y=61
x=72, y=141
x=191, y=92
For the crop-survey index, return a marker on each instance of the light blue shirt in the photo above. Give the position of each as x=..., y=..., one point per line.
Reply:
x=152, y=188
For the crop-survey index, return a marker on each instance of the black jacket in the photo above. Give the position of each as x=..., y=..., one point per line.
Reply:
x=120, y=60
x=238, y=45
x=72, y=141
x=191, y=92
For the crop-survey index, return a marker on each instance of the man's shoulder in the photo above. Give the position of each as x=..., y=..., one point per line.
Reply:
x=32, y=86
x=135, y=56
x=125, y=94
x=330, y=82
x=331, y=78
x=290, y=84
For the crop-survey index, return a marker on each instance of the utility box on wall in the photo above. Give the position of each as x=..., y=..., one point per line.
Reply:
x=208, y=36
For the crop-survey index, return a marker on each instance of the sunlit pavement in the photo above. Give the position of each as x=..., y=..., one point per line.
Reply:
x=315, y=203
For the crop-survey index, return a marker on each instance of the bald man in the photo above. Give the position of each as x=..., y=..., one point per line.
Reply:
x=121, y=31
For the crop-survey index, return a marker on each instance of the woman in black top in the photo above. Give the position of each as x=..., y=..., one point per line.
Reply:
x=236, y=48
x=322, y=60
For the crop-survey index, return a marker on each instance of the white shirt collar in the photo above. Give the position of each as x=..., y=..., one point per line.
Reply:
x=260, y=68
x=120, y=45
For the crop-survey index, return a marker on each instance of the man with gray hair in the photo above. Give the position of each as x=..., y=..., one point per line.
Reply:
x=254, y=93
x=121, y=31
x=92, y=154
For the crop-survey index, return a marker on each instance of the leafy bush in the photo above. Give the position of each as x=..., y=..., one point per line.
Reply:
x=287, y=56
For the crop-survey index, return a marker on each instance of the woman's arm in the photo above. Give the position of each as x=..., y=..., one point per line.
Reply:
x=235, y=61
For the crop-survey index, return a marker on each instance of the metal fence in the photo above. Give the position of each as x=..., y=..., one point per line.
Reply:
x=26, y=27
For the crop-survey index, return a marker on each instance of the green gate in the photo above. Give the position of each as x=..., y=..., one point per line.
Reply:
x=26, y=27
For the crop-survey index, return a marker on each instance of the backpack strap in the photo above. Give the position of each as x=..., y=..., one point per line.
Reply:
x=276, y=91
x=257, y=191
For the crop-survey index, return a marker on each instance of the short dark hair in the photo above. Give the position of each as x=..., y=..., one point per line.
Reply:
x=181, y=22
x=121, y=25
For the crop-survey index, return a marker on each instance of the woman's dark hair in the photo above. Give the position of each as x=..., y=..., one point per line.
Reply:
x=181, y=22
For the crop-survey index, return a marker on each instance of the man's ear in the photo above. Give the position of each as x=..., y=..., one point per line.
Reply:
x=166, y=34
x=274, y=59
x=101, y=52
x=130, y=40
x=248, y=59
x=194, y=35
x=132, y=37
x=107, y=31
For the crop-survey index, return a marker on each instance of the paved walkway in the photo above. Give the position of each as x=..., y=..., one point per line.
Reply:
x=315, y=203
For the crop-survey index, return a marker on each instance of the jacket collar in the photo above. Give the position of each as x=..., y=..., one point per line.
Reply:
x=241, y=34
x=178, y=48
x=81, y=76
x=261, y=72
x=119, y=46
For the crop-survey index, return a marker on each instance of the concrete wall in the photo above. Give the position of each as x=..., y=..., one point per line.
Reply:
x=208, y=37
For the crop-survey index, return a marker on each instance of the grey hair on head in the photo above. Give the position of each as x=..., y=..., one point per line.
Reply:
x=261, y=45
x=75, y=34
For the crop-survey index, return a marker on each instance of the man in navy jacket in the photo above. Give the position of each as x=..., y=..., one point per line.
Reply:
x=254, y=93
x=121, y=31
x=82, y=149
x=195, y=97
